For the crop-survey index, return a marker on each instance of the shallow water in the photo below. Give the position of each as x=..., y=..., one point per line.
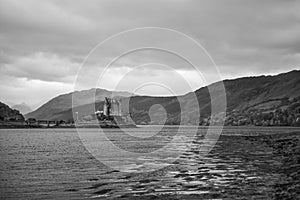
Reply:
x=54, y=163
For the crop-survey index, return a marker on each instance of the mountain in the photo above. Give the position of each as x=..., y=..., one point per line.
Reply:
x=23, y=108
x=7, y=113
x=51, y=109
x=244, y=95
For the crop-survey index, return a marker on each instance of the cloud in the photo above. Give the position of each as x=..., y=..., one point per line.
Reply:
x=72, y=29
x=43, y=67
x=46, y=42
x=151, y=78
x=33, y=92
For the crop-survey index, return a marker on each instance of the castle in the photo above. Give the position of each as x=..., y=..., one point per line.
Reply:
x=111, y=108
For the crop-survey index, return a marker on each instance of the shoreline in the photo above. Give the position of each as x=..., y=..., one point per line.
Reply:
x=66, y=127
x=10, y=126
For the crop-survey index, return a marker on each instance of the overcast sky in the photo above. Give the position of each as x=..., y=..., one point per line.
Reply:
x=43, y=43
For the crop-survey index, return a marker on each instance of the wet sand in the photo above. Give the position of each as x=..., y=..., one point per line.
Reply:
x=239, y=167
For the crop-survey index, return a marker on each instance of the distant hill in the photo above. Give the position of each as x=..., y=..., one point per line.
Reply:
x=262, y=93
x=51, y=109
x=7, y=113
x=23, y=108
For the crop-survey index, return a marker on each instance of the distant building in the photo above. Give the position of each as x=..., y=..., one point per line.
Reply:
x=111, y=108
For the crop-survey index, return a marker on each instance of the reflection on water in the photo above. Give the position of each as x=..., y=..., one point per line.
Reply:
x=53, y=163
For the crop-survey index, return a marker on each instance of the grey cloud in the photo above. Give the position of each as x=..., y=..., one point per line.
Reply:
x=251, y=37
x=72, y=29
x=40, y=66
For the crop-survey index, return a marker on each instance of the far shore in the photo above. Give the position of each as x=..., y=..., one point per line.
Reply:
x=10, y=126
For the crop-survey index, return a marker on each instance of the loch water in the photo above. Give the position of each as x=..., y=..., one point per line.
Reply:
x=55, y=164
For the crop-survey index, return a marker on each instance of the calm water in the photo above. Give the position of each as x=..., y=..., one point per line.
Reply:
x=53, y=163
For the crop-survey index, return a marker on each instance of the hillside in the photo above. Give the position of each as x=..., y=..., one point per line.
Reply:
x=244, y=96
x=7, y=113
x=50, y=110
